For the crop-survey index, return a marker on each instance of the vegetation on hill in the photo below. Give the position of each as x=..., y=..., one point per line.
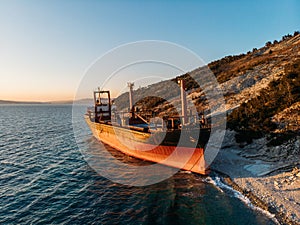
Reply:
x=143, y=99
x=255, y=116
x=233, y=66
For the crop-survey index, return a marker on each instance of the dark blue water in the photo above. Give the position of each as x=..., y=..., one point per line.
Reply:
x=44, y=179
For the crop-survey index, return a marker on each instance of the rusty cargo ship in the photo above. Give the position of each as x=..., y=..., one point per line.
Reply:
x=174, y=141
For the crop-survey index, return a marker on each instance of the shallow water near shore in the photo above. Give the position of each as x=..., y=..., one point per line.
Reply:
x=45, y=179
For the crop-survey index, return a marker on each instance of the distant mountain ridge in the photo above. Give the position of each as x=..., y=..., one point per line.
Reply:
x=19, y=102
x=79, y=101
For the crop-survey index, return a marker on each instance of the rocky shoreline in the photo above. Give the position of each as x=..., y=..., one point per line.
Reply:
x=258, y=200
x=271, y=184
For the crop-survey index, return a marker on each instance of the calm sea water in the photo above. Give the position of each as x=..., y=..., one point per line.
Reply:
x=44, y=179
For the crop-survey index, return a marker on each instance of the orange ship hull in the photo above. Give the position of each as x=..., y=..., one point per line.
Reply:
x=134, y=143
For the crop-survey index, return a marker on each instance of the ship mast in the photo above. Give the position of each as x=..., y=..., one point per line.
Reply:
x=130, y=85
x=181, y=82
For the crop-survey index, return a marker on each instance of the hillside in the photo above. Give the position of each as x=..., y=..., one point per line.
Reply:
x=261, y=90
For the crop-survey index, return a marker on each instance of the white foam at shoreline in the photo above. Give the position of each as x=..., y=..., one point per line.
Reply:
x=216, y=181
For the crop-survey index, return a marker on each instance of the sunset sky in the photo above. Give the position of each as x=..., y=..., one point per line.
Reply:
x=47, y=46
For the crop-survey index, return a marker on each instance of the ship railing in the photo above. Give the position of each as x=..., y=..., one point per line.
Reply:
x=121, y=118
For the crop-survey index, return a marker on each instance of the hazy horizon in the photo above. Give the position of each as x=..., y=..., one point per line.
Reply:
x=47, y=46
